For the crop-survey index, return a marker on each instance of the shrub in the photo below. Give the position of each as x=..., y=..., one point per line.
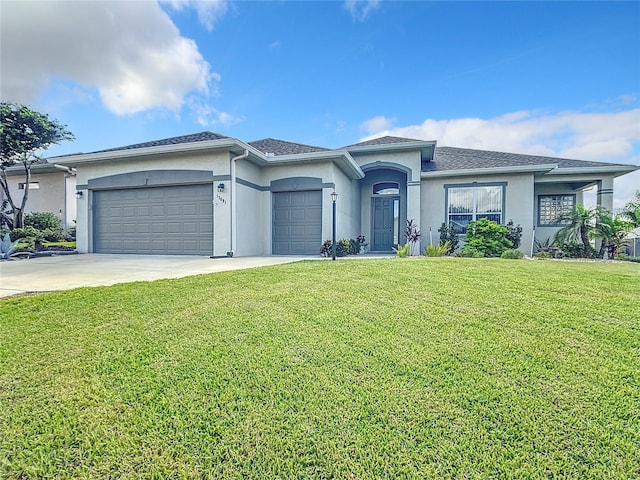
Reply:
x=449, y=234
x=437, y=250
x=543, y=255
x=325, y=248
x=577, y=250
x=488, y=237
x=70, y=236
x=545, y=246
x=402, y=250
x=512, y=253
x=26, y=232
x=39, y=227
x=629, y=258
x=514, y=233
x=470, y=253
x=42, y=220
x=343, y=247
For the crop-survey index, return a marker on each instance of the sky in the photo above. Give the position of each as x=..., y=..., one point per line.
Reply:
x=542, y=78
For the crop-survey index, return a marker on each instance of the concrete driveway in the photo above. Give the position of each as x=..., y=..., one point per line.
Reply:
x=91, y=270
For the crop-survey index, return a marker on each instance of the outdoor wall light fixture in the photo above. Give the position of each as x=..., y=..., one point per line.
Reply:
x=79, y=193
x=221, y=187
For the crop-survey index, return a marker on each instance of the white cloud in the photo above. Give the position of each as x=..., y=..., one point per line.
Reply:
x=209, y=11
x=131, y=52
x=209, y=116
x=360, y=9
x=376, y=124
x=608, y=137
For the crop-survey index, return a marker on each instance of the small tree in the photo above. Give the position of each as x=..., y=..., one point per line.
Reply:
x=579, y=229
x=631, y=211
x=23, y=133
x=612, y=230
x=487, y=237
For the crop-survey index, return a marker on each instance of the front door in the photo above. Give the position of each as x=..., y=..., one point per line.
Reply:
x=385, y=223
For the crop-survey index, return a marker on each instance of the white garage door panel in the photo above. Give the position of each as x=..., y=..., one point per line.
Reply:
x=156, y=220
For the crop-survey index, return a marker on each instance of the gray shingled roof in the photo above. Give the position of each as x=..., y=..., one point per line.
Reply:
x=450, y=158
x=282, y=147
x=381, y=141
x=194, y=137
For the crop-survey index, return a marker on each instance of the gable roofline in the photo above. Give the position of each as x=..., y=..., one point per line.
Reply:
x=463, y=161
x=232, y=144
x=390, y=144
x=342, y=158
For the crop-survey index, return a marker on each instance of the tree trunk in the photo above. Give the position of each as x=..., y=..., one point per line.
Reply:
x=603, y=248
x=18, y=218
x=585, y=238
x=19, y=212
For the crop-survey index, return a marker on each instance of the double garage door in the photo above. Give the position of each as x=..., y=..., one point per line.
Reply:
x=169, y=220
x=297, y=222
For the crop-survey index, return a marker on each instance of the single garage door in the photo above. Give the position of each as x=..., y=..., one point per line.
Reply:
x=297, y=222
x=170, y=220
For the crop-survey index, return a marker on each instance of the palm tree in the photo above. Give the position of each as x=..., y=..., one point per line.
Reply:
x=631, y=211
x=579, y=229
x=612, y=230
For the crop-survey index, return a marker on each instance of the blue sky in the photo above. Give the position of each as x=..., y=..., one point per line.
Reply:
x=549, y=78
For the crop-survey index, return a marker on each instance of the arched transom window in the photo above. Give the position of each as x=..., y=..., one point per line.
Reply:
x=386, y=188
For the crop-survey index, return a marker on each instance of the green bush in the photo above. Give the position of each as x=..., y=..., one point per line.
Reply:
x=577, y=250
x=449, y=234
x=629, y=258
x=42, y=220
x=439, y=250
x=47, y=224
x=543, y=254
x=402, y=250
x=342, y=248
x=26, y=232
x=470, y=253
x=512, y=253
x=488, y=237
x=514, y=233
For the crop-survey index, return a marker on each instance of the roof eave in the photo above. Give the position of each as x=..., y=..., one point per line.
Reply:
x=341, y=158
x=616, y=170
x=35, y=169
x=544, y=168
x=234, y=145
x=403, y=146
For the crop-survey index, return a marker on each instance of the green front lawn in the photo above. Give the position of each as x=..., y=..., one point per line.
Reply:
x=355, y=369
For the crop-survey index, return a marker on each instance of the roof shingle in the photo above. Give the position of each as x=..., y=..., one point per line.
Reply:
x=194, y=137
x=451, y=158
x=282, y=147
x=382, y=141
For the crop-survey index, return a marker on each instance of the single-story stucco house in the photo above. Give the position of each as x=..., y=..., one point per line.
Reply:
x=51, y=189
x=208, y=194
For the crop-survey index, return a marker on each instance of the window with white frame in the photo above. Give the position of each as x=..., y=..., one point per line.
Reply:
x=552, y=207
x=467, y=203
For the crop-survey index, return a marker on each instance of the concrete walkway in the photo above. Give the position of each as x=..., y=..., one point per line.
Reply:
x=91, y=270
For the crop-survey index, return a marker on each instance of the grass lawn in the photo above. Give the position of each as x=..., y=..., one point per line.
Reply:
x=355, y=369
